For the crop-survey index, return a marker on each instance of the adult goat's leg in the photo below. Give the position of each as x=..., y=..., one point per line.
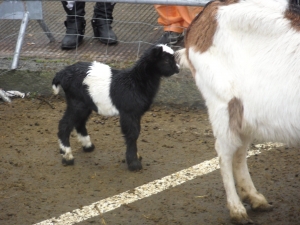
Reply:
x=244, y=183
x=226, y=153
x=82, y=134
x=65, y=128
x=131, y=127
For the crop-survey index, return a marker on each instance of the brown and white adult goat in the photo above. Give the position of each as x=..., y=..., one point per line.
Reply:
x=245, y=58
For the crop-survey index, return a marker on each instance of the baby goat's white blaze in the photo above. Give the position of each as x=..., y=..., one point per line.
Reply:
x=167, y=49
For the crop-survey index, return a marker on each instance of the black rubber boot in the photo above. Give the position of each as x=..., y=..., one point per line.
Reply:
x=74, y=33
x=75, y=25
x=102, y=21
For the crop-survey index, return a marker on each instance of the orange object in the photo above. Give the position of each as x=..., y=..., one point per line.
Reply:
x=176, y=18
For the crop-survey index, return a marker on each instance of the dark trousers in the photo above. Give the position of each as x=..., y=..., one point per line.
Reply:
x=102, y=10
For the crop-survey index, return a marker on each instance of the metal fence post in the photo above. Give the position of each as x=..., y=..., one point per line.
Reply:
x=20, y=40
x=24, y=10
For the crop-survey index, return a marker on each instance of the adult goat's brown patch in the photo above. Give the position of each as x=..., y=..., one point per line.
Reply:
x=201, y=31
x=236, y=113
x=293, y=14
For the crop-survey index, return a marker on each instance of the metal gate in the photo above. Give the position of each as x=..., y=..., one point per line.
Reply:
x=23, y=10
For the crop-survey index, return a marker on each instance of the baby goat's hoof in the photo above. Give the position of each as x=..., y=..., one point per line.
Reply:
x=67, y=162
x=139, y=157
x=61, y=151
x=89, y=149
x=135, y=165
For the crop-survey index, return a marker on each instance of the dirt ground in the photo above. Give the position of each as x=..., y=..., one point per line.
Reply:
x=35, y=186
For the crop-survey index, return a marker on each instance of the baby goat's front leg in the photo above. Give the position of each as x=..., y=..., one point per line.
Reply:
x=130, y=125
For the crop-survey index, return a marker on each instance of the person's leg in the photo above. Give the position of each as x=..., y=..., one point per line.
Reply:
x=75, y=24
x=175, y=19
x=102, y=21
x=188, y=13
x=172, y=21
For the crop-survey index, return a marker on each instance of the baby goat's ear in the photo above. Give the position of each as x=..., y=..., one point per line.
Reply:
x=156, y=52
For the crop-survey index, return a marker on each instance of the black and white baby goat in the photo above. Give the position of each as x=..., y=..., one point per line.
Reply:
x=97, y=87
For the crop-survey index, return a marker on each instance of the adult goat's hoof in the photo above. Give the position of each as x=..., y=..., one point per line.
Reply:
x=135, y=165
x=67, y=162
x=243, y=221
x=89, y=149
x=263, y=208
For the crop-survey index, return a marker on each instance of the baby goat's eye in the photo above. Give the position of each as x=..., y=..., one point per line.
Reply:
x=170, y=58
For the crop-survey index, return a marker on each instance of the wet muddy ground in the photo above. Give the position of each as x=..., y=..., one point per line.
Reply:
x=35, y=186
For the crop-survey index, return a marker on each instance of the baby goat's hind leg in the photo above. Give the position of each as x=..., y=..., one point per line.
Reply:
x=130, y=125
x=65, y=128
x=244, y=183
x=82, y=133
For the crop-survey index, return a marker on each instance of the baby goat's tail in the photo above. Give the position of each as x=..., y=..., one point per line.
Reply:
x=56, y=83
